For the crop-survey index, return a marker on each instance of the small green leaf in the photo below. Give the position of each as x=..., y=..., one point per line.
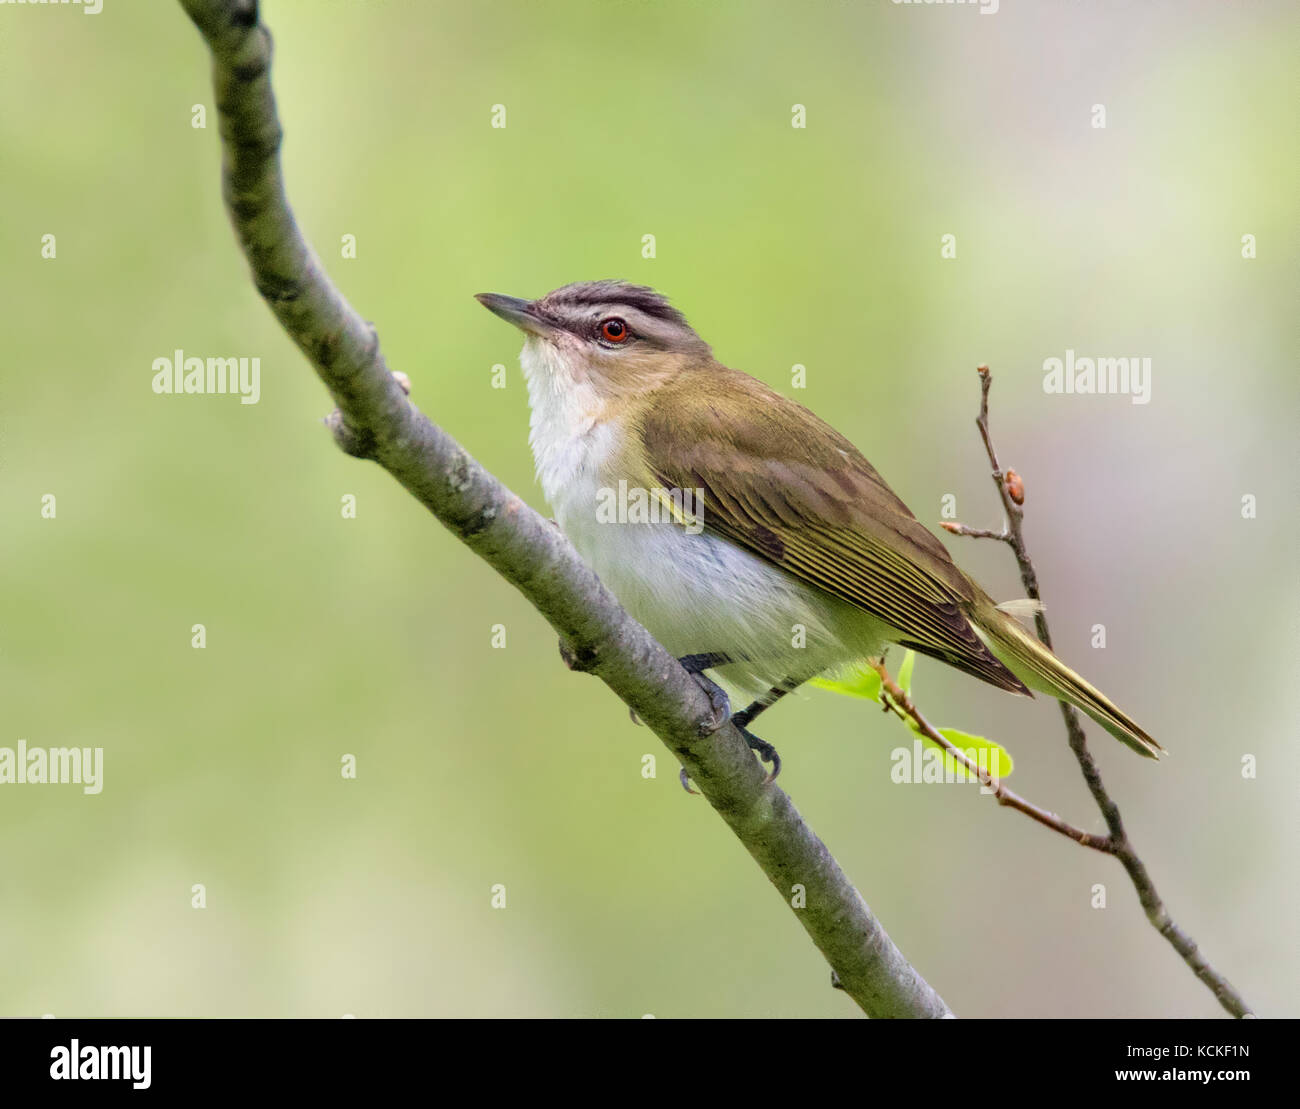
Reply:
x=996, y=759
x=864, y=683
x=905, y=672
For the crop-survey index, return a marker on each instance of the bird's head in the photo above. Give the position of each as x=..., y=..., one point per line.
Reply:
x=611, y=335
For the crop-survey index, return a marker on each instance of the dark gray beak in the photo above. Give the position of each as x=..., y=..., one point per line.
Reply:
x=518, y=312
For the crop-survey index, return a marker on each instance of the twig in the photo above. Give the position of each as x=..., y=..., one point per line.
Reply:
x=976, y=533
x=1119, y=844
x=898, y=701
x=375, y=420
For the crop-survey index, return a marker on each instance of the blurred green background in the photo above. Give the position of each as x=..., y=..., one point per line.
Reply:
x=373, y=636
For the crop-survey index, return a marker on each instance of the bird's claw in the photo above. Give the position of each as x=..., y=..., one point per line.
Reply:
x=764, y=750
x=695, y=665
x=719, y=702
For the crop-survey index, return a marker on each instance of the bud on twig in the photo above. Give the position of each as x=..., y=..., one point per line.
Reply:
x=1015, y=487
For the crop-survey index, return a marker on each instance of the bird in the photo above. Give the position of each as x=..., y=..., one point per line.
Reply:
x=747, y=535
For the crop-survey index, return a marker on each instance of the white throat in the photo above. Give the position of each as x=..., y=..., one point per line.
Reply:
x=569, y=440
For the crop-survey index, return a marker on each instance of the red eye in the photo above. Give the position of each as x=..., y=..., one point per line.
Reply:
x=614, y=330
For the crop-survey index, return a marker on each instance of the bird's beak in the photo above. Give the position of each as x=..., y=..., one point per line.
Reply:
x=521, y=313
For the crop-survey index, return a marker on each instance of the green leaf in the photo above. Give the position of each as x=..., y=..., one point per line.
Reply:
x=996, y=759
x=864, y=682
x=905, y=672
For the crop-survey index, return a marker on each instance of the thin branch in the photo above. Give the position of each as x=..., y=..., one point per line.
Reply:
x=898, y=701
x=976, y=533
x=1011, y=491
x=375, y=420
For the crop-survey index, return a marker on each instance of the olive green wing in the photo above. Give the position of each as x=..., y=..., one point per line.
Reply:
x=782, y=484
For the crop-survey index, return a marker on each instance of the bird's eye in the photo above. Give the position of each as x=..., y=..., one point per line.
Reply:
x=614, y=330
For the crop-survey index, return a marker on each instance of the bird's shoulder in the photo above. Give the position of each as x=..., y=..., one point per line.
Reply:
x=742, y=437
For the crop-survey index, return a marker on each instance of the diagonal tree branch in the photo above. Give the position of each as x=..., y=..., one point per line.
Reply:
x=1011, y=490
x=375, y=420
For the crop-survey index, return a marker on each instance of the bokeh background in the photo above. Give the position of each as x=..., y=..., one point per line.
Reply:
x=373, y=637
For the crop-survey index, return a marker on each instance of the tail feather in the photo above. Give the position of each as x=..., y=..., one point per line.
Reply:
x=1039, y=669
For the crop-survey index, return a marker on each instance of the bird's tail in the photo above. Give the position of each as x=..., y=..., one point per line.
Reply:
x=1041, y=670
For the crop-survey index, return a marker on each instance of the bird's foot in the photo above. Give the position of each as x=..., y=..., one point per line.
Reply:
x=764, y=750
x=695, y=665
x=719, y=702
x=721, y=705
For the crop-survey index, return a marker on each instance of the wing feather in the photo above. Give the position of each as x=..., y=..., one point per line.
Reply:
x=782, y=484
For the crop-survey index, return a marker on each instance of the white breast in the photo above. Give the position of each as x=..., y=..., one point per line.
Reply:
x=696, y=593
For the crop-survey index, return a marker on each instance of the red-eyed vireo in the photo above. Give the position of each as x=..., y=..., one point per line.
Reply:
x=748, y=536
